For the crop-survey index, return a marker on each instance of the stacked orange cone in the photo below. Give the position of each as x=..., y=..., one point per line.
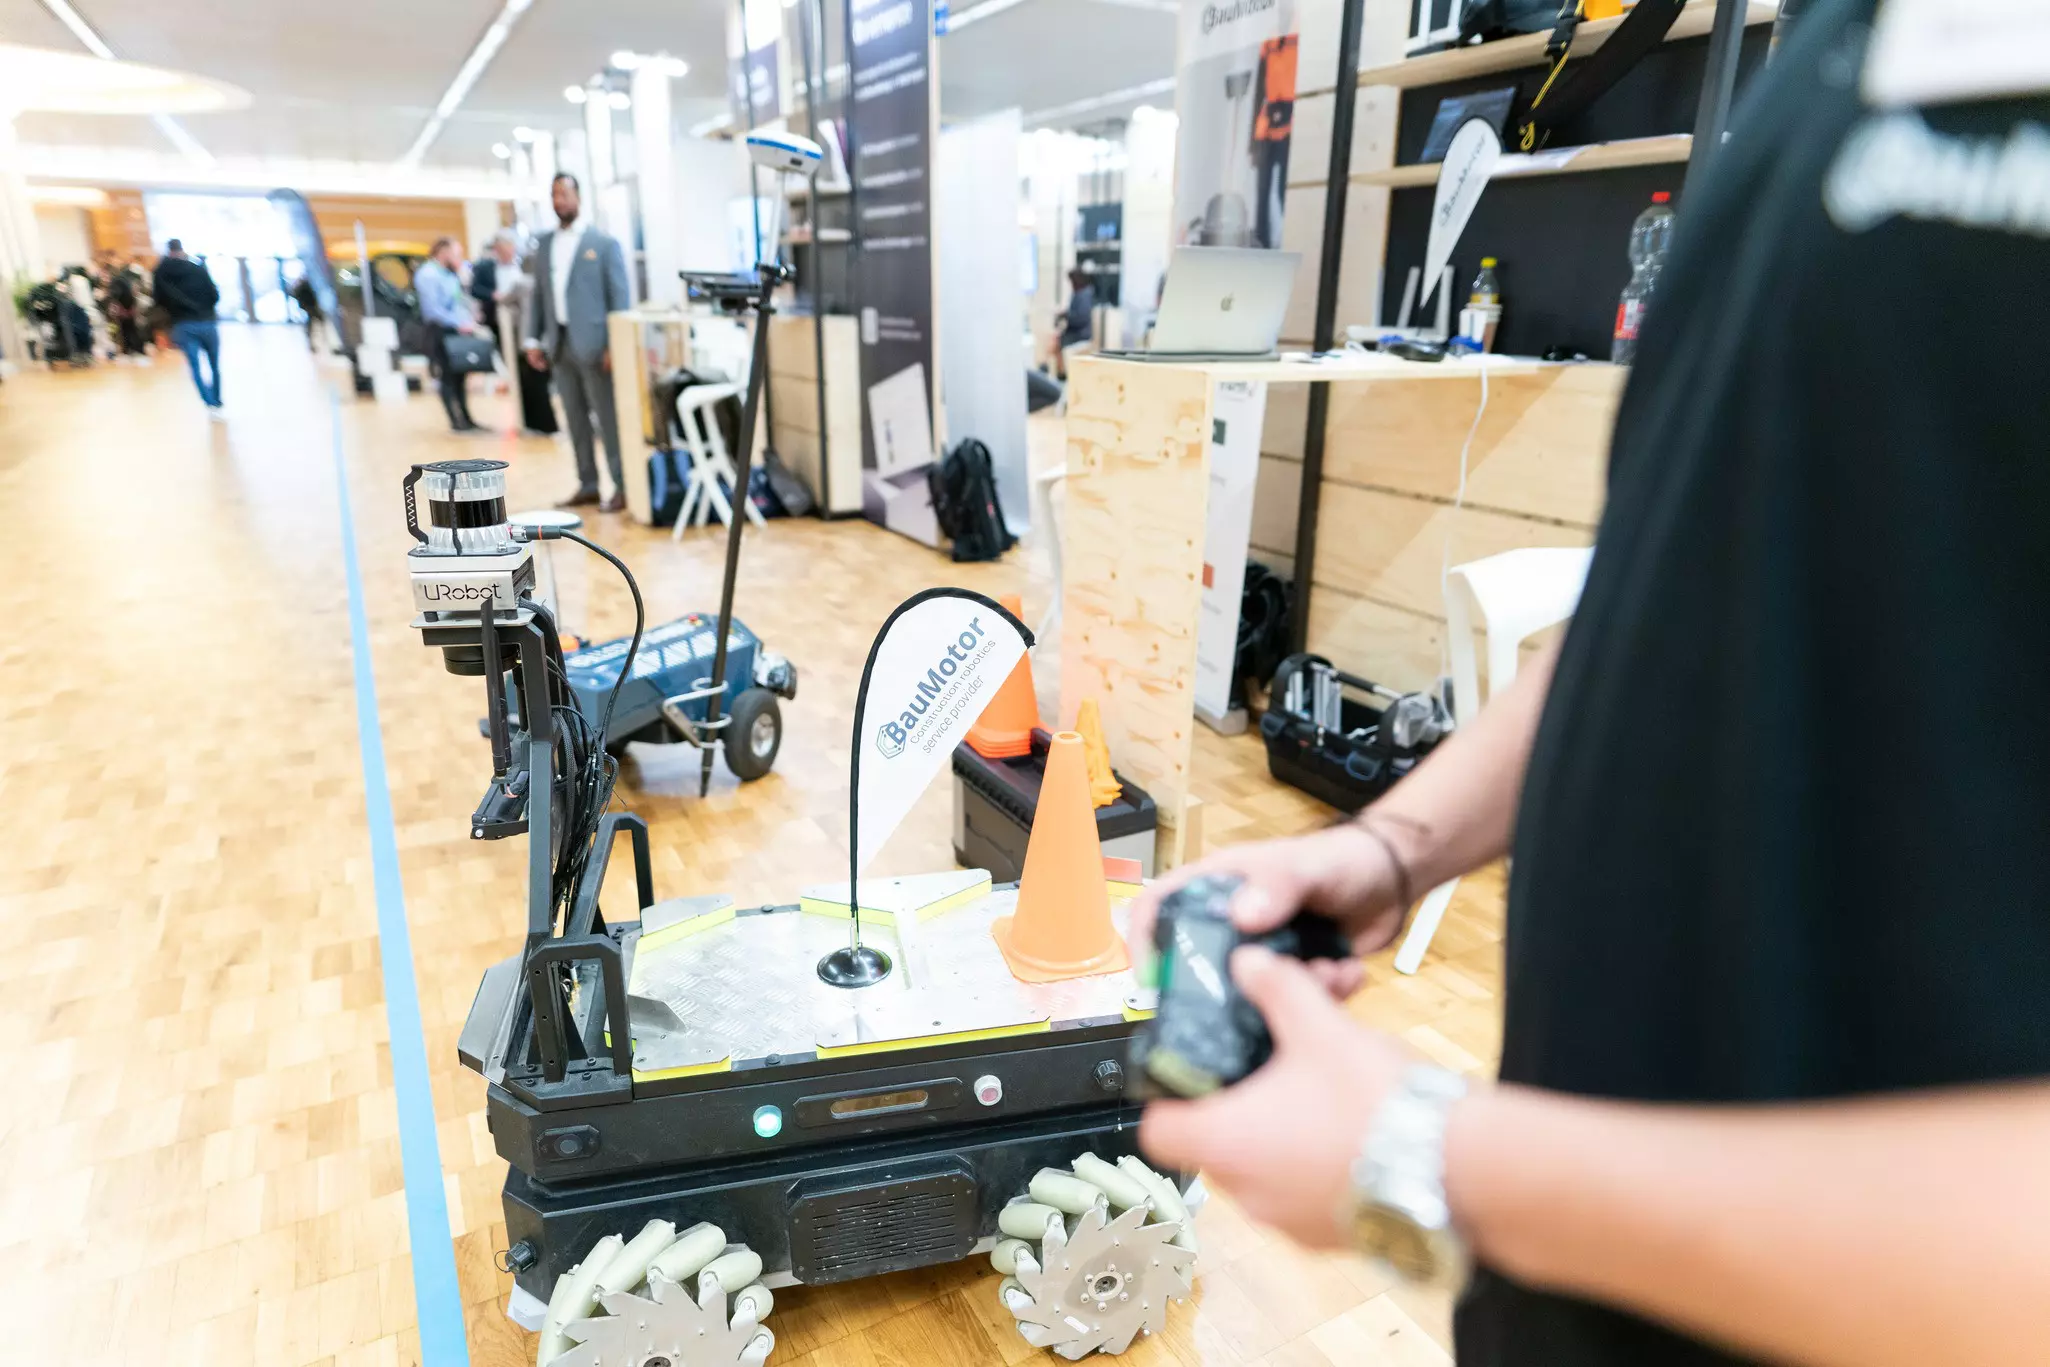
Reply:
x=1062, y=928
x=1004, y=730
x=1104, y=787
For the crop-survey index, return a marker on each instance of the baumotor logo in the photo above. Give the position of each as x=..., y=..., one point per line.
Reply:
x=893, y=735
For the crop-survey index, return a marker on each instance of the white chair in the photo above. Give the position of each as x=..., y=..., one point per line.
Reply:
x=1519, y=593
x=1047, y=521
x=711, y=466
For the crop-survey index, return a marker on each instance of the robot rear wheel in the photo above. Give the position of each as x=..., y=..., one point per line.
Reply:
x=754, y=734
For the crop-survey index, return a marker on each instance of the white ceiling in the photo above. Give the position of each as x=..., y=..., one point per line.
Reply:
x=1048, y=54
x=356, y=80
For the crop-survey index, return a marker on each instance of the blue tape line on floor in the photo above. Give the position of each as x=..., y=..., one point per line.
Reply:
x=435, y=1291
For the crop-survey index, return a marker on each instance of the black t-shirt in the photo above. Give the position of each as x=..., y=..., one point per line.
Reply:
x=1786, y=830
x=185, y=290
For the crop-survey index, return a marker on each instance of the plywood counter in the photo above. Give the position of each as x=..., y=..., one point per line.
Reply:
x=1137, y=494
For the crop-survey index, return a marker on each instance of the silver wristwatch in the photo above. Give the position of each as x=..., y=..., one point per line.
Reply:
x=1397, y=1209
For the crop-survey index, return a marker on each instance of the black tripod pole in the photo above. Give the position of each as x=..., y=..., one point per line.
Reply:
x=757, y=382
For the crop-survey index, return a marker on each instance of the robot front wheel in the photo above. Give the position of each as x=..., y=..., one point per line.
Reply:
x=754, y=734
x=1092, y=1258
x=631, y=1303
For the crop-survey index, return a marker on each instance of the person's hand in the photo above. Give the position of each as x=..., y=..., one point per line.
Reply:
x=1282, y=1142
x=605, y=361
x=1342, y=872
x=536, y=359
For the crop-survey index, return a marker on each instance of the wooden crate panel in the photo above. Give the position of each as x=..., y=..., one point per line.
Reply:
x=1542, y=448
x=1277, y=492
x=1138, y=480
x=1392, y=647
x=1390, y=547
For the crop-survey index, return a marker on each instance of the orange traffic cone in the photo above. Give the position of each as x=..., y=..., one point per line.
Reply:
x=1004, y=730
x=1104, y=787
x=1062, y=927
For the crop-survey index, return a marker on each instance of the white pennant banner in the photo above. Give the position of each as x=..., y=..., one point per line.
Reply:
x=933, y=669
x=1469, y=161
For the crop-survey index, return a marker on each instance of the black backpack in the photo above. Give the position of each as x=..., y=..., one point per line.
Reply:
x=964, y=502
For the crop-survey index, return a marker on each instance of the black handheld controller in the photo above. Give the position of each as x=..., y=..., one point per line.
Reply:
x=1205, y=1034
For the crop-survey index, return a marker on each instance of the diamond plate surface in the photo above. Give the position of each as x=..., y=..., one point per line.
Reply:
x=750, y=987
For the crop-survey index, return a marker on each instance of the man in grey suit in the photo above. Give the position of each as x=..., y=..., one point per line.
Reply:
x=579, y=278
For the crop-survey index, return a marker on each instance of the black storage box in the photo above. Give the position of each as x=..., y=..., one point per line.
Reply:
x=995, y=799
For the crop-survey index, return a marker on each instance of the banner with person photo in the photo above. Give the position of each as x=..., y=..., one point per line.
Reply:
x=1235, y=100
x=1235, y=105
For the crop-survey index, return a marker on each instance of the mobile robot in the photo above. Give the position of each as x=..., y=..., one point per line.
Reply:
x=692, y=1116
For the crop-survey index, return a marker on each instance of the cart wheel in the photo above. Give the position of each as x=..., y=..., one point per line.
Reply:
x=1092, y=1257
x=754, y=735
x=626, y=1304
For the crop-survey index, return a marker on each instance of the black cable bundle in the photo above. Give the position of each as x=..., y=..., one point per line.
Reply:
x=587, y=768
x=1264, y=610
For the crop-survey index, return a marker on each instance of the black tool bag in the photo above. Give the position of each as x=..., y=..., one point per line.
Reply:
x=1343, y=739
x=964, y=501
x=1264, y=608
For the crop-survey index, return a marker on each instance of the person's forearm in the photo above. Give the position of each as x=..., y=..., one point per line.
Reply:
x=1908, y=1230
x=1457, y=810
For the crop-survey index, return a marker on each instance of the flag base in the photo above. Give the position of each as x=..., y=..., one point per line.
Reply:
x=855, y=966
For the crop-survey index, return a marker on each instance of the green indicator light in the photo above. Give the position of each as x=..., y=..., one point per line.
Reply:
x=768, y=1122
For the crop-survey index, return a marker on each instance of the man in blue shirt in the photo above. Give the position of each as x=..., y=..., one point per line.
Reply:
x=446, y=312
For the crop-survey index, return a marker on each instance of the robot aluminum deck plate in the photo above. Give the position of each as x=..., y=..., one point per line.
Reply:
x=712, y=987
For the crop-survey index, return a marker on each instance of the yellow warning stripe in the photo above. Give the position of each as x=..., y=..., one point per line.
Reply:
x=824, y=906
x=1134, y=1014
x=724, y=1065
x=928, y=1041
x=651, y=940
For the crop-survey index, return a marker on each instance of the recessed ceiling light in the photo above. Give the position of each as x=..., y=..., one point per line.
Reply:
x=619, y=99
x=575, y=94
x=524, y=134
x=669, y=66
x=500, y=150
x=626, y=60
x=473, y=67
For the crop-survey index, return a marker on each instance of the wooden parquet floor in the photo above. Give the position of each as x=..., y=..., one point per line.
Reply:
x=199, y=1160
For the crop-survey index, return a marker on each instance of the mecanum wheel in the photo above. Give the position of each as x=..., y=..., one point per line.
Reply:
x=754, y=735
x=625, y=1304
x=1092, y=1257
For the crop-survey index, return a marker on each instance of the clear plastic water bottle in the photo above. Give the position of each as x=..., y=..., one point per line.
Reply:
x=1485, y=293
x=1483, y=312
x=1651, y=237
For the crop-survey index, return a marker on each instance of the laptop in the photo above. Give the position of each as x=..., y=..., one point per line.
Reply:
x=1220, y=304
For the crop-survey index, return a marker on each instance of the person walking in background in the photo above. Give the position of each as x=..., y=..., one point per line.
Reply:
x=187, y=295
x=515, y=300
x=120, y=294
x=308, y=300
x=484, y=287
x=446, y=312
x=1077, y=321
x=579, y=279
